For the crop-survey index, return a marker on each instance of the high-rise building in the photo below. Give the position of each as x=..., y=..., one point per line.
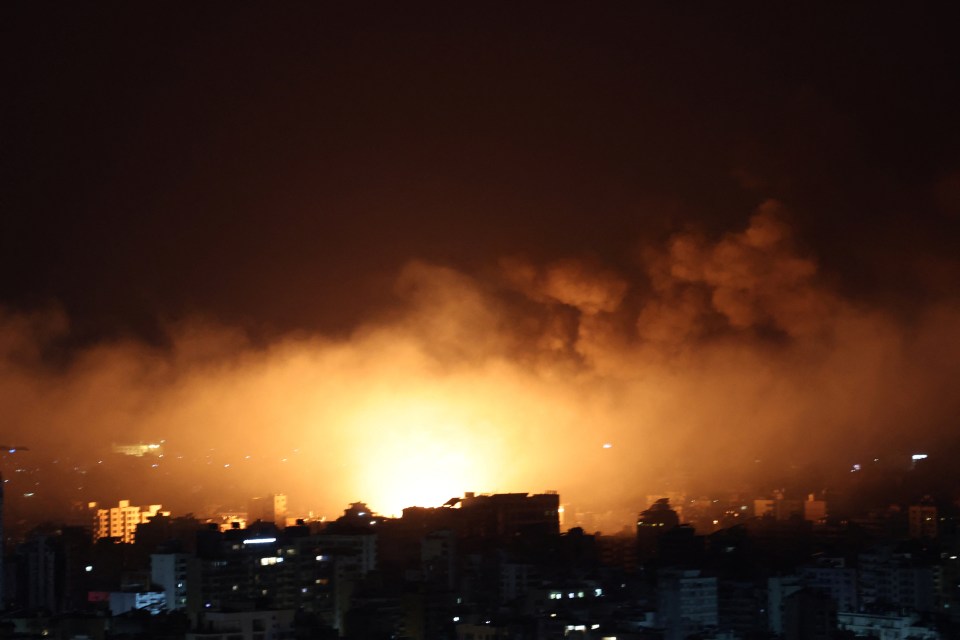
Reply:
x=121, y=521
x=177, y=574
x=832, y=576
x=686, y=603
x=38, y=556
x=779, y=588
x=269, y=508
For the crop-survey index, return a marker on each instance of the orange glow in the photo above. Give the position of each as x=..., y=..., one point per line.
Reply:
x=418, y=453
x=578, y=388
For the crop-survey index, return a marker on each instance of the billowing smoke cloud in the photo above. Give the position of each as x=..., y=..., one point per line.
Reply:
x=727, y=350
x=749, y=280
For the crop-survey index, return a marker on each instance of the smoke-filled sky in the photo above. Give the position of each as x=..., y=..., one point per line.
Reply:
x=394, y=254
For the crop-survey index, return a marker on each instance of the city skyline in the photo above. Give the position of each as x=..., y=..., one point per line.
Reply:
x=383, y=256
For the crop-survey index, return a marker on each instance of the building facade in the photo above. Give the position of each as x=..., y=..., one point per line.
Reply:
x=121, y=521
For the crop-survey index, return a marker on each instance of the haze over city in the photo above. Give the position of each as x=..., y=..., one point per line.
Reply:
x=350, y=254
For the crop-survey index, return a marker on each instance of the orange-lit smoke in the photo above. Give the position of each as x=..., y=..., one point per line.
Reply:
x=723, y=351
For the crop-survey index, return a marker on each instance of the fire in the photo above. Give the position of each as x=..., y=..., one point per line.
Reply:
x=419, y=451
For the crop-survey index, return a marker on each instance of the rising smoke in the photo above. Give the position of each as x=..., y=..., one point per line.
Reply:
x=713, y=353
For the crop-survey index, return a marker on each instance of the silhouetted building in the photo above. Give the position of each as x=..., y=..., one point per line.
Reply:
x=781, y=508
x=741, y=606
x=681, y=546
x=504, y=515
x=894, y=578
x=652, y=523
x=37, y=586
x=618, y=551
x=809, y=614
x=50, y=570
x=270, y=508
x=266, y=624
x=779, y=588
x=832, y=577
x=923, y=519
x=814, y=510
x=165, y=534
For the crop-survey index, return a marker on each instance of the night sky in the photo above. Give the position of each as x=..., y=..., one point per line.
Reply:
x=681, y=227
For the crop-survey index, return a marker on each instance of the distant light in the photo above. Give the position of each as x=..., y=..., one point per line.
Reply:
x=259, y=540
x=456, y=618
x=321, y=558
x=607, y=445
x=919, y=456
x=226, y=466
x=594, y=626
x=362, y=513
x=88, y=568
